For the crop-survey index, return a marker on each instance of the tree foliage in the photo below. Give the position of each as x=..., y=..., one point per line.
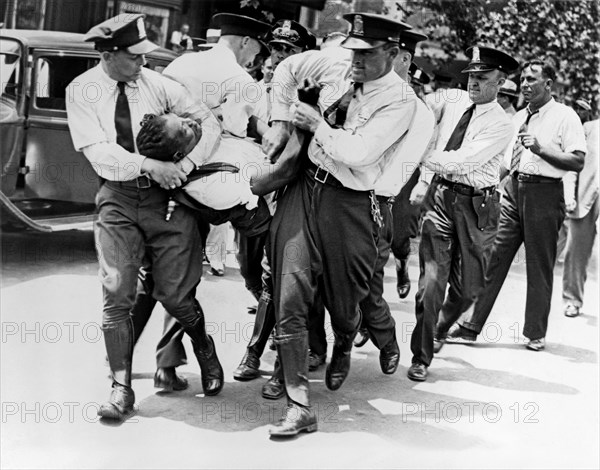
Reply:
x=565, y=31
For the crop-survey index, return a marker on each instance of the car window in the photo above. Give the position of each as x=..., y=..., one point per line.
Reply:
x=10, y=67
x=53, y=74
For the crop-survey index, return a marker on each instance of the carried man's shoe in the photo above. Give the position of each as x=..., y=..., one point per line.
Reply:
x=417, y=372
x=167, y=379
x=248, y=368
x=389, y=357
x=403, y=281
x=361, y=338
x=572, y=311
x=121, y=404
x=297, y=419
x=460, y=335
x=536, y=344
x=315, y=360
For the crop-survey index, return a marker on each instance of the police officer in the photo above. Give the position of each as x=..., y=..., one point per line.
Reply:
x=330, y=216
x=459, y=222
x=134, y=198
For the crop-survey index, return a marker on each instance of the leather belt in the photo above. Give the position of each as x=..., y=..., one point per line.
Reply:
x=323, y=176
x=526, y=178
x=464, y=189
x=141, y=182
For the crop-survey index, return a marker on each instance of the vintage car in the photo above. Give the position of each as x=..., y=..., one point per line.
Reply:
x=46, y=185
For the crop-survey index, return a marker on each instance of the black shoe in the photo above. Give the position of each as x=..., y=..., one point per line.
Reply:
x=121, y=404
x=167, y=379
x=403, y=281
x=315, y=360
x=389, y=357
x=361, y=338
x=417, y=372
x=296, y=419
x=338, y=368
x=210, y=368
x=273, y=389
x=536, y=344
x=461, y=335
x=252, y=309
x=572, y=311
x=219, y=272
x=248, y=368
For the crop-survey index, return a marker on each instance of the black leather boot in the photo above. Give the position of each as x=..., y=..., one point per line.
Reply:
x=204, y=349
x=298, y=416
x=403, y=281
x=274, y=388
x=118, y=338
x=263, y=325
x=339, y=366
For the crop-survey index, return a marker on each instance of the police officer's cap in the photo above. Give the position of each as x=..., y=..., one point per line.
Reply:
x=509, y=88
x=369, y=31
x=239, y=25
x=293, y=34
x=418, y=75
x=484, y=59
x=122, y=32
x=410, y=39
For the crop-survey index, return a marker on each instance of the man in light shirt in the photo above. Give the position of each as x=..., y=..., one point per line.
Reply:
x=549, y=142
x=459, y=222
x=330, y=216
x=133, y=202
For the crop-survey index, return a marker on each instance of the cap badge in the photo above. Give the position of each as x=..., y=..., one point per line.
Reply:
x=141, y=28
x=357, y=27
x=476, y=57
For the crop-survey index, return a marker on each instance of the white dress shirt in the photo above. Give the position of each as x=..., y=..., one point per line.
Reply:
x=556, y=126
x=91, y=102
x=477, y=162
x=378, y=118
x=215, y=78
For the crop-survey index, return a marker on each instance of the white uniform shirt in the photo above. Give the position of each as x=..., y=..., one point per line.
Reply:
x=555, y=126
x=216, y=79
x=378, y=117
x=477, y=162
x=262, y=110
x=91, y=102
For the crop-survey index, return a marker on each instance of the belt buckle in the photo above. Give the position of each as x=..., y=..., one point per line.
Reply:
x=322, y=181
x=143, y=182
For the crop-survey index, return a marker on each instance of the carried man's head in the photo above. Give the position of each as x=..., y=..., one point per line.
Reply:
x=487, y=69
x=123, y=45
x=242, y=34
x=167, y=137
x=375, y=44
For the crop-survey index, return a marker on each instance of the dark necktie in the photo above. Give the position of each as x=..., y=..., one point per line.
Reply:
x=518, y=147
x=335, y=115
x=123, y=120
x=458, y=134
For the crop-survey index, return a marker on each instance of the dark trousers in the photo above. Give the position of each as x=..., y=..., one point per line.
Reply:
x=532, y=213
x=376, y=315
x=132, y=222
x=323, y=239
x=405, y=219
x=169, y=350
x=454, y=239
x=250, y=254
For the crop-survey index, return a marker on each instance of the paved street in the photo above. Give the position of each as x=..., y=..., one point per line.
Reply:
x=490, y=405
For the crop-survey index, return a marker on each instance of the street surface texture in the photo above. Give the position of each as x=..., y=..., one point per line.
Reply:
x=489, y=405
